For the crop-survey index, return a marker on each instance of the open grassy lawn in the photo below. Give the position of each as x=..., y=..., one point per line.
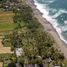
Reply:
x=6, y=26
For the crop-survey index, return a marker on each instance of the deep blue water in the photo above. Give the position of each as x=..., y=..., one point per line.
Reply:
x=55, y=11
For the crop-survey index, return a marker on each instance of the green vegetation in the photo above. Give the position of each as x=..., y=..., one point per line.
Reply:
x=7, y=58
x=37, y=45
x=34, y=45
x=6, y=26
x=6, y=21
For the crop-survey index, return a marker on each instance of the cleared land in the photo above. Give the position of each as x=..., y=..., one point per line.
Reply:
x=6, y=17
x=1, y=64
x=6, y=21
x=6, y=24
x=4, y=49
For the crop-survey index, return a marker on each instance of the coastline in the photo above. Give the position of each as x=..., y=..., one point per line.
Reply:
x=48, y=28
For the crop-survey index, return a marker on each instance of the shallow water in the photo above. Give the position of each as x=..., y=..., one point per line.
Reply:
x=55, y=11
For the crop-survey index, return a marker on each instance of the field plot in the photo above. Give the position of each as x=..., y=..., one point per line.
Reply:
x=6, y=21
x=4, y=49
x=1, y=64
x=6, y=17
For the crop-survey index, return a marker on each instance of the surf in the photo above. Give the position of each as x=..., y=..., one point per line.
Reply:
x=45, y=10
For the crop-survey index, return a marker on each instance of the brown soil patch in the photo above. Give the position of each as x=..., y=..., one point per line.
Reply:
x=6, y=17
x=4, y=49
x=1, y=64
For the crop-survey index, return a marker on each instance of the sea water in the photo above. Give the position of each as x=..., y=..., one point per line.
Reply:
x=55, y=11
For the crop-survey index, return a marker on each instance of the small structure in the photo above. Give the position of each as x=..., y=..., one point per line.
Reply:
x=19, y=52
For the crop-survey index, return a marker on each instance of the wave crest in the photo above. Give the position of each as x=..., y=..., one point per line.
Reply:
x=45, y=11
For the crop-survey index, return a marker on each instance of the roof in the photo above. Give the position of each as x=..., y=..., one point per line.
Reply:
x=19, y=51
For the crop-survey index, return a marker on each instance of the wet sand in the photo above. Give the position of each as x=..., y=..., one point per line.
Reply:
x=48, y=28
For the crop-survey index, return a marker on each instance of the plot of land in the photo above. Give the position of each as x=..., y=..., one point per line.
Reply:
x=4, y=49
x=6, y=21
x=1, y=64
x=6, y=17
x=7, y=27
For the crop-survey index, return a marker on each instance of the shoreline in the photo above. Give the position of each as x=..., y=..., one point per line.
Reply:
x=46, y=21
x=48, y=28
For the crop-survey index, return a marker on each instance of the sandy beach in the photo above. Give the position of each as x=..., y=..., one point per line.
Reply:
x=48, y=28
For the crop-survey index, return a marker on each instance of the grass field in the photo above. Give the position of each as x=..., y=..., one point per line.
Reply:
x=6, y=21
x=6, y=26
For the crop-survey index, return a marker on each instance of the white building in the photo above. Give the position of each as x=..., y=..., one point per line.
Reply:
x=19, y=52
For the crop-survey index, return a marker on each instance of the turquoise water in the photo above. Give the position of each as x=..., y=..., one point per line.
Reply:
x=55, y=11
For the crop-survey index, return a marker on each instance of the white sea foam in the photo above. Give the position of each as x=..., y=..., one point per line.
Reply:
x=65, y=21
x=54, y=10
x=63, y=11
x=64, y=28
x=59, y=13
x=51, y=1
x=45, y=12
x=48, y=1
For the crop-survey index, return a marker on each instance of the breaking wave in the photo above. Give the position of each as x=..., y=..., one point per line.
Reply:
x=52, y=18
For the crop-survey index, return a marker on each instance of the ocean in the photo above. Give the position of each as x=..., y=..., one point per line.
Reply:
x=55, y=11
